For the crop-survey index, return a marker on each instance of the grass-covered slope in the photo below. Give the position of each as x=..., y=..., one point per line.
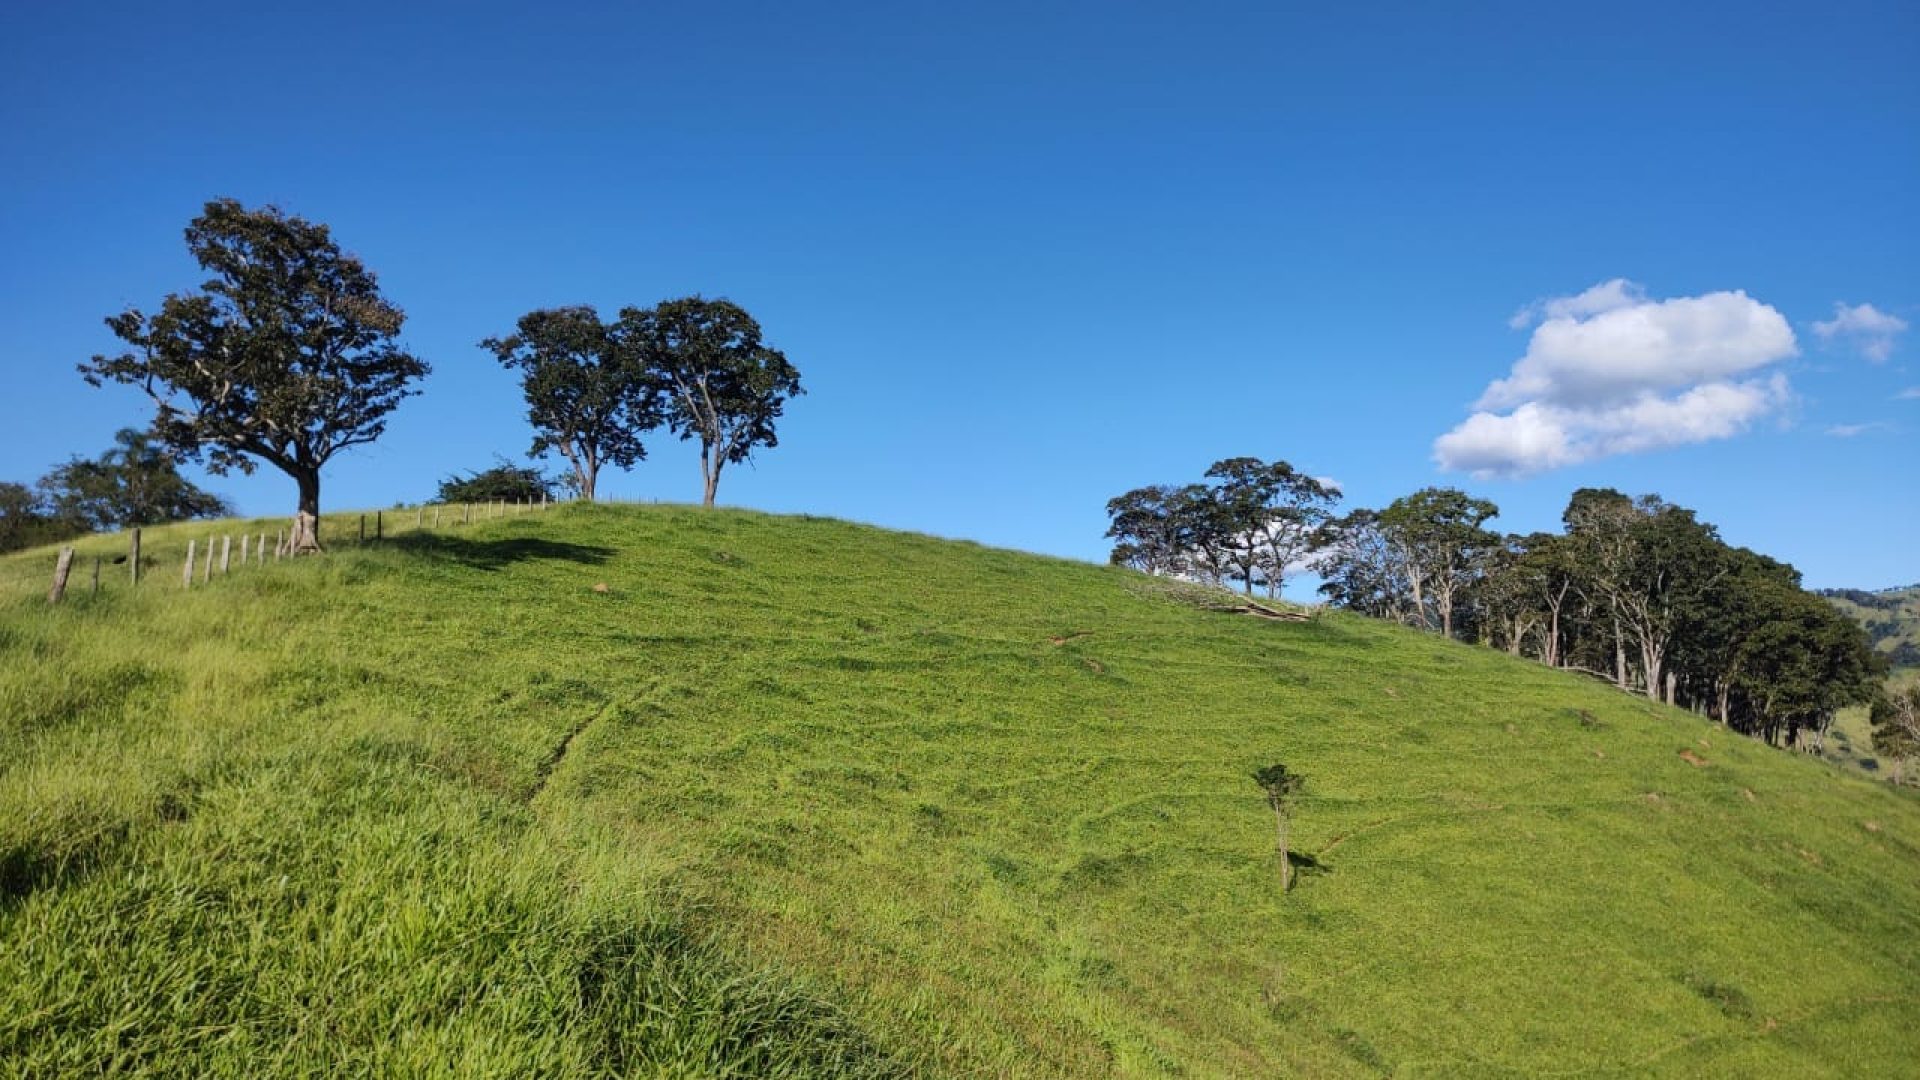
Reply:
x=1891, y=618
x=793, y=795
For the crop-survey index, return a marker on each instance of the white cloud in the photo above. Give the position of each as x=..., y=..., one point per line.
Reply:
x=1868, y=327
x=1848, y=431
x=1610, y=371
x=1602, y=297
x=1911, y=393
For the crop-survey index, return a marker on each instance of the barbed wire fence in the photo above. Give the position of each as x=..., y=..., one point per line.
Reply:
x=186, y=555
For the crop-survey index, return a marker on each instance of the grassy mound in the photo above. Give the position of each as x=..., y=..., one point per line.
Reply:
x=655, y=791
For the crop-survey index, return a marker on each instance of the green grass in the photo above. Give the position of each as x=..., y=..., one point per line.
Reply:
x=798, y=796
x=1891, y=618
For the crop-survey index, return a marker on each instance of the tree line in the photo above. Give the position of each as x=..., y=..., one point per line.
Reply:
x=289, y=353
x=1637, y=591
x=136, y=482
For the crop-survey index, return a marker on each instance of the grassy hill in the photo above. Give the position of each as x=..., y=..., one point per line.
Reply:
x=791, y=796
x=1892, y=619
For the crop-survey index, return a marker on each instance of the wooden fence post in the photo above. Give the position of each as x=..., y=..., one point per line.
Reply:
x=279, y=542
x=419, y=515
x=96, y=575
x=186, y=579
x=206, y=573
x=133, y=556
x=466, y=513
x=61, y=567
x=260, y=549
x=226, y=552
x=436, y=517
x=363, y=528
x=379, y=531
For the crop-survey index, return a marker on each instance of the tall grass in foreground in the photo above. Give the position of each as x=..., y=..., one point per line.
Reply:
x=796, y=797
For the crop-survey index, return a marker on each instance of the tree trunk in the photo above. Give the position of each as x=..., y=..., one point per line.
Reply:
x=709, y=474
x=1619, y=656
x=1651, y=662
x=306, y=522
x=1286, y=864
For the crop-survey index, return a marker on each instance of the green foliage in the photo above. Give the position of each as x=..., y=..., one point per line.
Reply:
x=27, y=521
x=838, y=803
x=1440, y=538
x=588, y=400
x=1637, y=590
x=1896, y=722
x=504, y=482
x=134, y=483
x=287, y=355
x=1891, y=618
x=1255, y=523
x=1279, y=785
x=719, y=383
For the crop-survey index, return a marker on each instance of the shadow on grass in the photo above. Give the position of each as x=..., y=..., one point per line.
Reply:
x=1305, y=864
x=496, y=554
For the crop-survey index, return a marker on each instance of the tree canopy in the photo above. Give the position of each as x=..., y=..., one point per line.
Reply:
x=1638, y=591
x=719, y=382
x=26, y=521
x=288, y=354
x=588, y=400
x=1252, y=525
x=504, y=482
x=134, y=483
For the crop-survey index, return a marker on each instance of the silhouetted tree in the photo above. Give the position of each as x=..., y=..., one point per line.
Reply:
x=1275, y=511
x=287, y=355
x=134, y=483
x=719, y=383
x=588, y=400
x=25, y=520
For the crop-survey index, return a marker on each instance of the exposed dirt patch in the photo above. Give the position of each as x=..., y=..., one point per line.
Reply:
x=1692, y=758
x=1072, y=635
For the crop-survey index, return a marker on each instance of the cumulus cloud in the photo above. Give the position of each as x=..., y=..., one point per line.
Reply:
x=1605, y=296
x=1871, y=329
x=1611, y=371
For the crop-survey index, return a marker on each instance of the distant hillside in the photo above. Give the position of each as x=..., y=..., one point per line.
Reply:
x=1891, y=616
x=652, y=791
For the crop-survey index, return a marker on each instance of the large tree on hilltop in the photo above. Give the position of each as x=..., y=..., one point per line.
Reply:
x=1650, y=563
x=1276, y=511
x=1441, y=536
x=287, y=355
x=588, y=401
x=719, y=382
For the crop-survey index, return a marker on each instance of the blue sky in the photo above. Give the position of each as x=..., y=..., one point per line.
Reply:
x=1027, y=257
